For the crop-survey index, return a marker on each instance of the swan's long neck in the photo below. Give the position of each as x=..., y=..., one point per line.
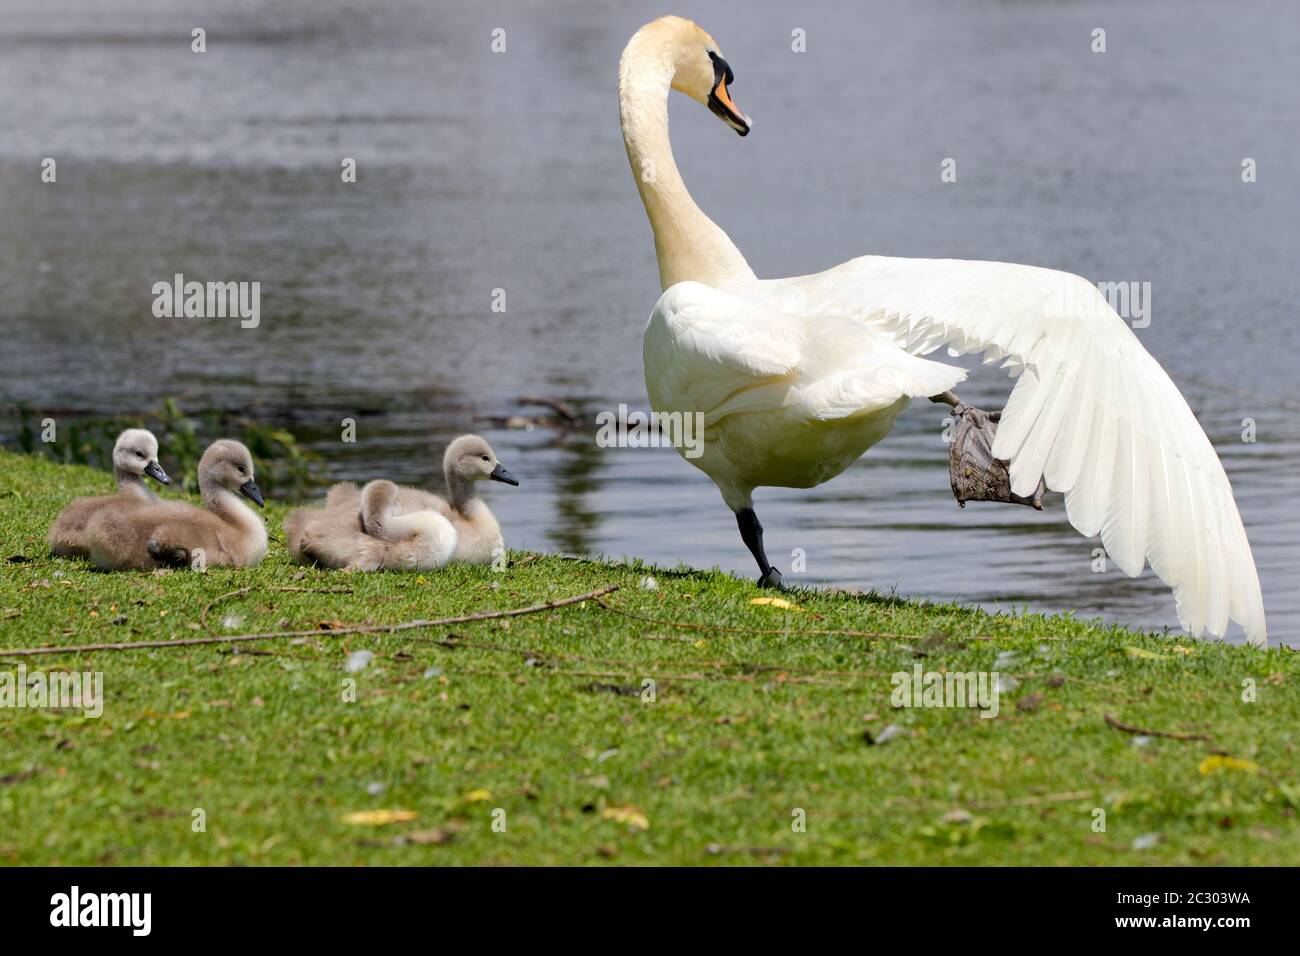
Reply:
x=689, y=245
x=228, y=506
x=131, y=482
x=460, y=491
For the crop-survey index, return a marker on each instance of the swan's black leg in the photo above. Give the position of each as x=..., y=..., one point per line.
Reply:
x=751, y=532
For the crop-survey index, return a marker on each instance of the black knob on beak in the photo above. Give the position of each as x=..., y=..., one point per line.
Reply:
x=499, y=473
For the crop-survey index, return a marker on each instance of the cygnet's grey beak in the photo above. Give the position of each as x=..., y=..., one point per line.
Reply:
x=499, y=473
x=249, y=490
x=155, y=471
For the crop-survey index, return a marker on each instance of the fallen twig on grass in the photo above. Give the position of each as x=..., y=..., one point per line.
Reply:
x=203, y=615
x=823, y=632
x=333, y=632
x=753, y=669
x=1035, y=799
x=1110, y=719
x=659, y=678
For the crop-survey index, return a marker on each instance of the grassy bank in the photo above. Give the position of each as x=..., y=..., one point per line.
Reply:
x=541, y=722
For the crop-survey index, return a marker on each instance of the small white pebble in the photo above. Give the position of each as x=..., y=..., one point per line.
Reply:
x=232, y=621
x=1007, y=683
x=648, y=583
x=376, y=788
x=1146, y=841
x=1141, y=741
x=358, y=660
x=888, y=733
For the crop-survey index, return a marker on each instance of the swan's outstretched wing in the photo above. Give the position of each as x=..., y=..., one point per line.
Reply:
x=1092, y=412
x=724, y=351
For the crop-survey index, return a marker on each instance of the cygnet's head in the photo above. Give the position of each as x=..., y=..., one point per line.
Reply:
x=470, y=458
x=136, y=453
x=228, y=464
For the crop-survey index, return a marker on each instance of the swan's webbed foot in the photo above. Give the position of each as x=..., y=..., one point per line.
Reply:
x=772, y=579
x=974, y=473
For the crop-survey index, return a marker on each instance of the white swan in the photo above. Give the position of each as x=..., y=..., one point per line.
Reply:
x=796, y=378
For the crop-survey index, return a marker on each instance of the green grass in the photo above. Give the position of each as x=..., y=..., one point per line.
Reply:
x=543, y=718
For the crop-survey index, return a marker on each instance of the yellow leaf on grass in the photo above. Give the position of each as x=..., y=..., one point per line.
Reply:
x=629, y=815
x=781, y=603
x=476, y=796
x=1219, y=762
x=1145, y=654
x=1179, y=649
x=378, y=818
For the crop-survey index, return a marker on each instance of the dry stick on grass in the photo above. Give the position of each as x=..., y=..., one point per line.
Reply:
x=1035, y=800
x=333, y=632
x=1110, y=719
x=661, y=678
x=203, y=615
x=913, y=803
x=826, y=632
x=637, y=666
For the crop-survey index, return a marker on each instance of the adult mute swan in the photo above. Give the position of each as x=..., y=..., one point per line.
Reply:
x=795, y=378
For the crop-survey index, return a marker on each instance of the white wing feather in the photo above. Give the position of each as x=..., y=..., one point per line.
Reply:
x=722, y=352
x=1092, y=412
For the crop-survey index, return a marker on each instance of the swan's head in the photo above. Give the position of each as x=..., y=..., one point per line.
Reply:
x=470, y=458
x=136, y=453
x=699, y=69
x=228, y=464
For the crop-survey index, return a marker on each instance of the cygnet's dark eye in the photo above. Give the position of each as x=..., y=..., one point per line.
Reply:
x=486, y=458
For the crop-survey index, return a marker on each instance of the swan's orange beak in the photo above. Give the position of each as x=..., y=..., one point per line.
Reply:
x=720, y=101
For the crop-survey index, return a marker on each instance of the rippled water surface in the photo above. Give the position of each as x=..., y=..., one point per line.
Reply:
x=482, y=171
